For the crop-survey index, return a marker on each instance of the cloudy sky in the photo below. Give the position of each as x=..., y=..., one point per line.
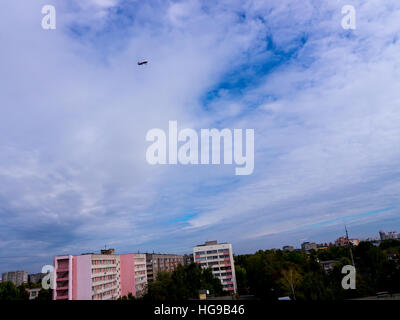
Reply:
x=75, y=109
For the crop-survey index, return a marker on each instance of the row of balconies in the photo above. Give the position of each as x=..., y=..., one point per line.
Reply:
x=211, y=254
x=96, y=266
x=98, y=283
x=139, y=281
x=106, y=273
x=98, y=291
x=63, y=288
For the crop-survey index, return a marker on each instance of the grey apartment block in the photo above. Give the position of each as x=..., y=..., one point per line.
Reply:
x=156, y=262
x=16, y=277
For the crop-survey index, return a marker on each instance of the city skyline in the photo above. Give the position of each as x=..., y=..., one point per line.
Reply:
x=76, y=106
x=296, y=245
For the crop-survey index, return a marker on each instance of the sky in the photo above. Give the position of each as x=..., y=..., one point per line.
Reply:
x=324, y=103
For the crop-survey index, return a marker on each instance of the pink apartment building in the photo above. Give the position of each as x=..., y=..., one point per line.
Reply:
x=105, y=276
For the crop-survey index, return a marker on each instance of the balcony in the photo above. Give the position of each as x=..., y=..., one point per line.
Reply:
x=140, y=267
x=61, y=284
x=99, y=283
x=62, y=279
x=62, y=288
x=98, y=291
x=96, y=266
x=106, y=273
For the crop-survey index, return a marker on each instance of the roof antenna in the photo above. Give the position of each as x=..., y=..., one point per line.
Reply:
x=348, y=243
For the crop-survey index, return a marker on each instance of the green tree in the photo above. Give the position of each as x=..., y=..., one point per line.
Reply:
x=8, y=291
x=241, y=279
x=45, y=295
x=183, y=283
x=290, y=280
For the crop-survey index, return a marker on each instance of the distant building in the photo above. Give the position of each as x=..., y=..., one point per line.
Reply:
x=392, y=235
x=382, y=235
x=308, y=246
x=33, y=293
x=106, y=276
x=219, y=257
x=322, y=246
x=374, y=241
x=16, y=277
x=342, y=241
x=188, y=259
x=394, y=257
x=36, y=277
x=156, y=262
x=328, y=265
x=354, y=242
x=288, y=248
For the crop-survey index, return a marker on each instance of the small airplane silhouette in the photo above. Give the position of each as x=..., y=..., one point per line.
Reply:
x=141, y=63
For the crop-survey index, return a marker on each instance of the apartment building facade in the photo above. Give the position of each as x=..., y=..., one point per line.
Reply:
x=157, y=262
x=16, y=277
x=308, y=246
x=105, y=276
x=218, y=256
x=140, y=274
x=188, y=259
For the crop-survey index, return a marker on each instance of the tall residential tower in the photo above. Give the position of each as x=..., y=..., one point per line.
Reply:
x=219, y=257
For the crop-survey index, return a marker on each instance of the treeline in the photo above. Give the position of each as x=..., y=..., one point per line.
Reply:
x=9, y=291
x=183, y=283
x=271, y=274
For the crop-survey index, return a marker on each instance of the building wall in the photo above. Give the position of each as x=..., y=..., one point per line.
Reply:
x=127, y=263
x=16, y=277
x=82, y=280
x=36, y=277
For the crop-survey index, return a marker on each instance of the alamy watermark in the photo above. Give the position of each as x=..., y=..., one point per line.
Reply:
x=48, y=279
x=349, y=20
x=349, y=280
x=49, y=20
x=188, y=152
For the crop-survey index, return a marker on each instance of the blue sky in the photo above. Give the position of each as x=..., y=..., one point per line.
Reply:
x=75, y=110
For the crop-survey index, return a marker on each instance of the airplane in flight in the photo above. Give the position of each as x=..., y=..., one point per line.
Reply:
x=141, y=63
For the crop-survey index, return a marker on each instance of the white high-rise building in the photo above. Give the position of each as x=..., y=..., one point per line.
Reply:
x=219, y=257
